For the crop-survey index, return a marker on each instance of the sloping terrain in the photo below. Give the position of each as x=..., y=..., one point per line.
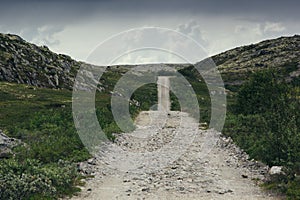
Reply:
x=32, y=112
x=26, y=63
x=23, y=62
x=282, y=54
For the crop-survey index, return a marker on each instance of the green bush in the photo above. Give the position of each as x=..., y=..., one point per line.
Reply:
x=30, y=179
x=264, y=90
x=265, y=123
x=293, y=191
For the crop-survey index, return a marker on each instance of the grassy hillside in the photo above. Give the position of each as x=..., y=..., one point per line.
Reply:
x=281, y=54
x=36, y=107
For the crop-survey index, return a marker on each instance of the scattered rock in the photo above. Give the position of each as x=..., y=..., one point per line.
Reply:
x=244, y=175
x=92, y=161
x=6, y=145
x=189, y=174
x=145, y=189
x=5, y=153
x=276, y=170
x=85, y=168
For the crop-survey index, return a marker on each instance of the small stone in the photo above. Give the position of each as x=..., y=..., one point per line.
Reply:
x=92, y=161
x=145, y=189
x=244, y=175
x=276, y=170
x=189, y=180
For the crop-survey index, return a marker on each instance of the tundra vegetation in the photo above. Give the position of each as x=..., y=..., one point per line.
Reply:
x=263, y=92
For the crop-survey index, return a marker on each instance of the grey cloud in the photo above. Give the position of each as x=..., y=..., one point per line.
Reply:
x=16, y=14
x=155, y=45
x=45, y=35
x=55, y=22
x=27, y=17
x=193, y=30
x=55, y=10
x=264, y=29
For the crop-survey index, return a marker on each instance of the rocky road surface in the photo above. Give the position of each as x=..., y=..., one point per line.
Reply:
x=208, y=166
x=169, y=157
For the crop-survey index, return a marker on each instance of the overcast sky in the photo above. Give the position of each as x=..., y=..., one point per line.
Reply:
x=76, y=28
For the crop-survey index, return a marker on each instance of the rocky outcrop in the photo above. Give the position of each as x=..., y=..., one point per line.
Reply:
x=23, y=62
x=6, y=145
x=26, y=63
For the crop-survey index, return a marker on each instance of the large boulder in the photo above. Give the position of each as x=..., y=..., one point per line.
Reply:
x=6, y=145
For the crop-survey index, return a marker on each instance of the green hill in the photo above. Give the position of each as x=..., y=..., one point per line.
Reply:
x=36, y=107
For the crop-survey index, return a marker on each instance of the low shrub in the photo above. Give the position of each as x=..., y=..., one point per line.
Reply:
x=30, y=179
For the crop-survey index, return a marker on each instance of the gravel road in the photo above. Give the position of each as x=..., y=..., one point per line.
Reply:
x=169, y=157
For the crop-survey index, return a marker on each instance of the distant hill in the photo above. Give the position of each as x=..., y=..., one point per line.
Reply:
x=282, y=54
x=23, y=62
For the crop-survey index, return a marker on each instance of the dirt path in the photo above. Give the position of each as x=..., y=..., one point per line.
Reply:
x=223, y=173
x=163, y=83
x=168, y=157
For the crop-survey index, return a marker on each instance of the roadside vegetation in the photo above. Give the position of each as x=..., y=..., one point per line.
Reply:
x=44, y=166
x=264, y=120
